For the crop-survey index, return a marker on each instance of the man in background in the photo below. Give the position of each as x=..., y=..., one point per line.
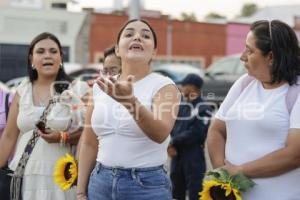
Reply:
x=188, y=137
x=111, y=63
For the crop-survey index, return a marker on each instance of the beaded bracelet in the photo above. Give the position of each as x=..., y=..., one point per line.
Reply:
x=64, y=136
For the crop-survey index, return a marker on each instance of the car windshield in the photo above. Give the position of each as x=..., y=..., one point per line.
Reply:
x=229, y=65
x=223, y=66
x=177, y=71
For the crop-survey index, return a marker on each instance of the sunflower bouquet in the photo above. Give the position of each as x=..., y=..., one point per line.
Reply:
x=65, y=173
x=222, y=186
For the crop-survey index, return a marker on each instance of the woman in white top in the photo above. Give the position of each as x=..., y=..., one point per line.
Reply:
x=45, y=66
x=128, y=125
x=255, y=132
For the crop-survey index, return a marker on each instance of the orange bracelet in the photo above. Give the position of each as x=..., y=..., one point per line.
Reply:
x=64, y=136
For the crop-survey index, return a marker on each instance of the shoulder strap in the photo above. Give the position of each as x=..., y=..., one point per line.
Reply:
x=6, y=102
x=246, y=80
x=292, y=94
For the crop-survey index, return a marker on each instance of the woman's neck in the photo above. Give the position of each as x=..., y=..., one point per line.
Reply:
x=139, y=71
x=44, y=82
x=268, y=85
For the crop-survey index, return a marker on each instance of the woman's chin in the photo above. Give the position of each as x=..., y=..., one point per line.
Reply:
x=49, y=74
x=137, y=57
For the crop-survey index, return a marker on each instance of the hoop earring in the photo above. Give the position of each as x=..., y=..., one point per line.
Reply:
x=33, y=67
x=61, y=65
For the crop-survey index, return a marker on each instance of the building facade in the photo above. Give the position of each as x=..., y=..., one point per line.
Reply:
x=18, y=26
x=179, y=41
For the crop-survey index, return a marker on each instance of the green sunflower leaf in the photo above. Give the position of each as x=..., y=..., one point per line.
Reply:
x=242, y=182
x=219, y=174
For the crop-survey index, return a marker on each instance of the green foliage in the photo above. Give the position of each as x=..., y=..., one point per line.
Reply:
x=248, y=9
x=188, y=16
x=239, y=181
x=214, y=15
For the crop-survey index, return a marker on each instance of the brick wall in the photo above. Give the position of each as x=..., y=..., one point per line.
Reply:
x=189, y=39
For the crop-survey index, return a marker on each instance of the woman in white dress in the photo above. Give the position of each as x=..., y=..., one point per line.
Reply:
x=257, y=128
x=45, y=67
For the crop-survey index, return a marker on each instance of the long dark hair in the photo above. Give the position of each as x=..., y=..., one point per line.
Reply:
x=280, y=39
x=62, y=79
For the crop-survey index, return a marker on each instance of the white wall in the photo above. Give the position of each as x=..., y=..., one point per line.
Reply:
x=20, y=26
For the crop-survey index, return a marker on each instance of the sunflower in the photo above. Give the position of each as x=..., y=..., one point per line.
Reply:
x=65, y=173
x=212, y=189
x=207, y=185
x=231, y=191
x=224, y=186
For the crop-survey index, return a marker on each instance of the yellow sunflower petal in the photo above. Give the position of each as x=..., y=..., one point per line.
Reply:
x=59, y=172
x=237, y=194
x=227, y=188
x=205, y=193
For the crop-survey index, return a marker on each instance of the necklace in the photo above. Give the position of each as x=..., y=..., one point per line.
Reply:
x=39, y=98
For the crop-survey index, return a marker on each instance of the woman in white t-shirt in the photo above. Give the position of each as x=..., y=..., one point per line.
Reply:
x=254, y=131
x=128, y=123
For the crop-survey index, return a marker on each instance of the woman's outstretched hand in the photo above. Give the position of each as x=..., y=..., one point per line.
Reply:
x=121, y=91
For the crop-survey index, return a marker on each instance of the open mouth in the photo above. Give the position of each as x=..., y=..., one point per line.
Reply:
x=48, y=64
x=136, y=47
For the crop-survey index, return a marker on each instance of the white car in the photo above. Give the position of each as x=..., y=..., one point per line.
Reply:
x=12, y=84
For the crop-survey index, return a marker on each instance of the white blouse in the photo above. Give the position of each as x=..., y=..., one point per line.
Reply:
x=121, y=141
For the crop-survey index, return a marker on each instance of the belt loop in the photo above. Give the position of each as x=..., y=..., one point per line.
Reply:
x=133, y=173
x=98, y=167
x=114, y=171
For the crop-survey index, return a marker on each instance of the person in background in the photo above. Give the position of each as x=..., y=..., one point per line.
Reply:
x=256, y=131
x=111, y=65
x=128, y=125
x=46, y=79
x=5, y=102
x=111, y=62
x=187, y=140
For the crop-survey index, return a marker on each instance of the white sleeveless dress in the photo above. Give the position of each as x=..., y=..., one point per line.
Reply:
x=38, y=180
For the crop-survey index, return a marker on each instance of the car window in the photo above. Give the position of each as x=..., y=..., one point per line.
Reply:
x=177, y=71
x=240, y=68
x=223, y=66
x=13, y=83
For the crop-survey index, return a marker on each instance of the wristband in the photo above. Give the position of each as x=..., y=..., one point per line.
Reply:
x=64, y=136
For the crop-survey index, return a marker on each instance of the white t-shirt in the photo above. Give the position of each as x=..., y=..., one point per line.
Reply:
x=121, y=141
x=257, y=123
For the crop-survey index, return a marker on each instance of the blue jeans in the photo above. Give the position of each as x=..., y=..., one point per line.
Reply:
x=110, y=183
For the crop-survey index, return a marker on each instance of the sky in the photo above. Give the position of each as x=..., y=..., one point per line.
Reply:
x=229, y=8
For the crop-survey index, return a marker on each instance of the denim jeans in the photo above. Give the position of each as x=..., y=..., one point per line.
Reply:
x=110, y=183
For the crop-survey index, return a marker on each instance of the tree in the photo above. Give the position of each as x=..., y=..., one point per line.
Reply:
x=248, y=9
x=213, y=15
x=188, y=16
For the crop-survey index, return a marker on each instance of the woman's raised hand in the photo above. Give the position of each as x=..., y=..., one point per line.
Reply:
x=121, y=91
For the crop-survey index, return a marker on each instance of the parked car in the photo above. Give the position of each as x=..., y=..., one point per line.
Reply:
x=12, y=84
x=85, y=74
x=220, y=76
x=4, y=87
x=177, y=71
